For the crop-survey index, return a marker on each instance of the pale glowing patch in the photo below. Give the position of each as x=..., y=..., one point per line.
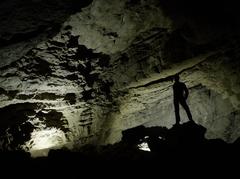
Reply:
x=144, y=146
x=49, y=138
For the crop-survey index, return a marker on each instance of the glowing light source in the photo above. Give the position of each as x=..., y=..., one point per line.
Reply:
x=44, y=140
x=144, y=145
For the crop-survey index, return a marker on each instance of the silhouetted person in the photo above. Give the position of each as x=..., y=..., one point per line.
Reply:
x=180, y=93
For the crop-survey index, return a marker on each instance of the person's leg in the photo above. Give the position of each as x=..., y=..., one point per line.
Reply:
x=185, y=106
x=176, y=108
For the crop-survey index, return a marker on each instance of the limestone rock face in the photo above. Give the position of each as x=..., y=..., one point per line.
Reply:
x=71, y=76
x=24, y=24
x=113, y=25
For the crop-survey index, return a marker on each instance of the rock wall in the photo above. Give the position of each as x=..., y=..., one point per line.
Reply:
x=70, y=75
x=212, y=101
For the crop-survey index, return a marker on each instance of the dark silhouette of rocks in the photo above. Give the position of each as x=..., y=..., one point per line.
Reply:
x=173, y=147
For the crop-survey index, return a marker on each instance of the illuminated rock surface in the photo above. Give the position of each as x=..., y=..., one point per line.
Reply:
x=71, y=76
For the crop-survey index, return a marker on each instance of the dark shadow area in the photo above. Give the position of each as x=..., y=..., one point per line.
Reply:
x=203, y=11
x=39, y=16
x=182, y=146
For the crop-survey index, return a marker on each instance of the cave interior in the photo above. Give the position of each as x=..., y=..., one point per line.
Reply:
x=84, y=80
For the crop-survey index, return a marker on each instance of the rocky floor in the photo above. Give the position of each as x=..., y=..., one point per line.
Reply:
x=181, y=150
x=181, y=141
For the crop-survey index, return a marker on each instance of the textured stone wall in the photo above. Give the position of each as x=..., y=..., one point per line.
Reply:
x=212, y=101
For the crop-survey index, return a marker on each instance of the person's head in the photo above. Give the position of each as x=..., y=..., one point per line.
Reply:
x=176, y=78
